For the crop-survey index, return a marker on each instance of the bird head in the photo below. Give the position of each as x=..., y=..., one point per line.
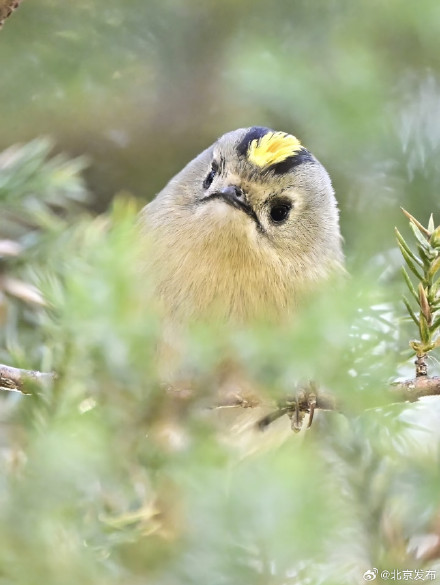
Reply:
x=255, y=212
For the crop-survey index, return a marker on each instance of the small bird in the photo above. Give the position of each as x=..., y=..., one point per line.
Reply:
x=242, y=233
x=244, y=230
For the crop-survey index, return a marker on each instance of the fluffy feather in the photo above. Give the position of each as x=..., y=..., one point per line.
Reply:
x=208, y=257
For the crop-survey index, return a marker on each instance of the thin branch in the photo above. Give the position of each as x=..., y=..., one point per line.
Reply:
x=412, y=390
x=406, y=391
x=17, y=380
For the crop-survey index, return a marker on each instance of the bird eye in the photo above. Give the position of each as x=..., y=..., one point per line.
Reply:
x=210, y=176
x=280, y=212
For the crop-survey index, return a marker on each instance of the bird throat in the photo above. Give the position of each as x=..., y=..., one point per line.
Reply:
x=231, y=279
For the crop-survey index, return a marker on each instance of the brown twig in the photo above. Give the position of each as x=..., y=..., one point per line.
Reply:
x=7, y=7
x=412, y=390
x=306, y=403
x=16, y=379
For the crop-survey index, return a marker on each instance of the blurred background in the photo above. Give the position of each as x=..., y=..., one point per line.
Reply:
x=103, y=479
x=143, y=86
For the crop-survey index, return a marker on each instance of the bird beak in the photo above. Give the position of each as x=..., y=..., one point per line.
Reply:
x=236, y=197
x=232, y=195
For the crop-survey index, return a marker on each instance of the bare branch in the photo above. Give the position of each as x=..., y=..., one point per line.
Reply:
x=407, y=391
x=412, y=390
x=16, y=379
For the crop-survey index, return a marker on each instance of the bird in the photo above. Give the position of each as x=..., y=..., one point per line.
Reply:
x=242, y=233
x=248, y=228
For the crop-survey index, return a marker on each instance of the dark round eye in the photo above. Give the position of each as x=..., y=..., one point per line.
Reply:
x=210, y=176
x=280, y=212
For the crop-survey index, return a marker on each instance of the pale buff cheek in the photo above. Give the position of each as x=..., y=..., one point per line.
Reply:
x=298, y=203
x=230, y=234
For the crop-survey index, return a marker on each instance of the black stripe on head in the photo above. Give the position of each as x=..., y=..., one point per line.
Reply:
x=254, y=133
x=291, y=162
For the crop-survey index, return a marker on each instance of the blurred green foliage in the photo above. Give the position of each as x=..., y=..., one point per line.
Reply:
x=105, y=476
x=142, y=87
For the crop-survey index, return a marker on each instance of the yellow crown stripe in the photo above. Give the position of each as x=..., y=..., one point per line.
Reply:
x=272, y=148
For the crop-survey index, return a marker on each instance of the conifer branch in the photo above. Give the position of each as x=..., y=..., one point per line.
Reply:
x=425, y=265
